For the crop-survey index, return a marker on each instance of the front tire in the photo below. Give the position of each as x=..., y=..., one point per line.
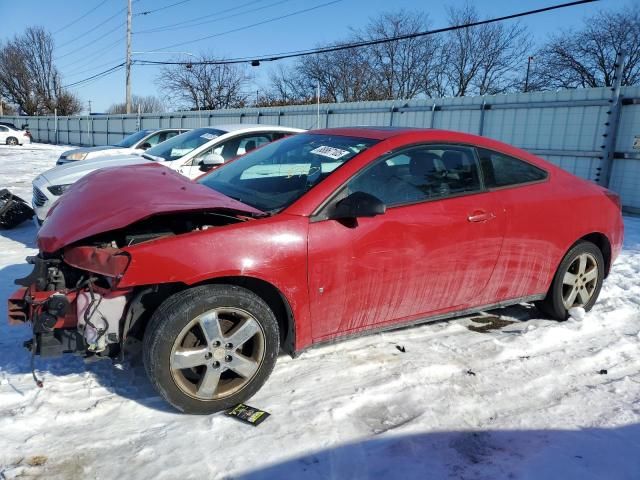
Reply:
x=211, y=347
x=577, y=281
x=12, y=141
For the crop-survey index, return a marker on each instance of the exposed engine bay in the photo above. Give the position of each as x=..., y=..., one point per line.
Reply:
x=160, y=226
x=72, y=297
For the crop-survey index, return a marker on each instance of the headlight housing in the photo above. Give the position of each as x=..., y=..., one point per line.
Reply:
x=58, y=190
x=77, y=156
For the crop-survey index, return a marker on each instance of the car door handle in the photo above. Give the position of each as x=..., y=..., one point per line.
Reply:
x=481, y=216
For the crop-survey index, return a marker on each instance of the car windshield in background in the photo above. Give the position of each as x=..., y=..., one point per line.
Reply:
x=277, y=174
x=131, y=140
x=178, y=146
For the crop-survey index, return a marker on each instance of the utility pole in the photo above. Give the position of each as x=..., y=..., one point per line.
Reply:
x=128, y=60
x=89, y=107
x=526, y=80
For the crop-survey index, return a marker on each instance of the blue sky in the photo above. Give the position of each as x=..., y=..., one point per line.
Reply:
x=81, y=52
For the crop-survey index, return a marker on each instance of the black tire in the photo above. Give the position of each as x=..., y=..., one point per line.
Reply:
x=12, y=141
x=553, y=304
x=179, y=311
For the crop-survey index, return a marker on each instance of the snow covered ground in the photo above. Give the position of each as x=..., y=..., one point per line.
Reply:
x=527, y=400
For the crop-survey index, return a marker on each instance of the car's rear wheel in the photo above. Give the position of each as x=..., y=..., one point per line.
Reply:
x=12, y=141
x=211, y=347
x=577, y=281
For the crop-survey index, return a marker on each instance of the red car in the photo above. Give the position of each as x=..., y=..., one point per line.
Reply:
x=319, y=236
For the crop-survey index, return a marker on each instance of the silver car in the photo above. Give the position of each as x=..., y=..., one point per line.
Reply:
x=135, y=143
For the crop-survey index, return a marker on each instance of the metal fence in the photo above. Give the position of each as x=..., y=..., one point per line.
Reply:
x=594, y=133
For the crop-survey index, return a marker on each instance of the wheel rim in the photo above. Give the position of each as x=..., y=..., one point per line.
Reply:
x=217, y=353
x=580, y=281
x=12, y=141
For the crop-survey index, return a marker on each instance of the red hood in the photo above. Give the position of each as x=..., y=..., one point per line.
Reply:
x=113, y=198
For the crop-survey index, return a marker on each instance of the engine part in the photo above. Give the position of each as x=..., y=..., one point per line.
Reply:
x=99, y=319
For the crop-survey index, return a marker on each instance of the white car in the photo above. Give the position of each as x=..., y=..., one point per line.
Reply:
x=191, y=154
x=14, y=136
x=135, y=143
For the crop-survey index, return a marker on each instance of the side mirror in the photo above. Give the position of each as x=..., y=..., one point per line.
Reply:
x=358, y=204
x=145, y=145
x=210, y=161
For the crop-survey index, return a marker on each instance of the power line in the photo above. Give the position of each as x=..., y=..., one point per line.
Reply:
x=80, y=17
x=89, y=43
x=217, y=19
x=97, y=75
x=94, y=28
x=171, y=26
x=108, y=47
x=82, y=70
x=298, y=12
x=161, y=8
x=347, y=46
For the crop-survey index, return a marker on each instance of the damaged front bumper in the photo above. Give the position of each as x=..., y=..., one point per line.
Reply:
x=70, y=310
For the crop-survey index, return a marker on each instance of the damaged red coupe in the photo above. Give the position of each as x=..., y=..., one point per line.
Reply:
x=318, y=236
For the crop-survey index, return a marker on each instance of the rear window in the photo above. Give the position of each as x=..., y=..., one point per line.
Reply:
x=500, y=170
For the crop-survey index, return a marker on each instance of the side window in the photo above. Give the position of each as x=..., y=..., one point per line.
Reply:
x=154, y=140
x=420, y=173
x=3, y=129
x=251, y=143
x=195, y=160
x=500, y=170
x=278, y=135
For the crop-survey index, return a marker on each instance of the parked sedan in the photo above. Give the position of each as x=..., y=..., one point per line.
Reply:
x=319, y=236
x=135, y=143
x=14, y=136
x=191, y=154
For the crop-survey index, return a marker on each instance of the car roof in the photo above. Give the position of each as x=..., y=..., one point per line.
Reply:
x=374, y=133
x=231, y=127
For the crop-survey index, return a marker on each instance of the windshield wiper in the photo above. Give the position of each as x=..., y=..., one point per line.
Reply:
x=152, y=157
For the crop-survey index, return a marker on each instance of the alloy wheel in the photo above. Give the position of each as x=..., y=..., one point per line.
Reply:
x=580, y=281
x=217, y=353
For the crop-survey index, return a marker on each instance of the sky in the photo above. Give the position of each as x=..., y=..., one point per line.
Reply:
x=90, y=34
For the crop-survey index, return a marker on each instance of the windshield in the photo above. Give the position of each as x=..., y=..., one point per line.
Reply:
x=178, y=146
x=276, y=175
x=131, y=140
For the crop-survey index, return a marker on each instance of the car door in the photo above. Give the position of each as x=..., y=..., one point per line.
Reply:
x=4, y=133
x=433, y=250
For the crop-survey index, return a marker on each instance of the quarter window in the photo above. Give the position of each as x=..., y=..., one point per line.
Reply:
x=419, y=174
x=500, y=170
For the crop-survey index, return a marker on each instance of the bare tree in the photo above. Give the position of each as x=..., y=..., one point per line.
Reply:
x=344, y=75
x=205, y=86
x=586, y=58
x=484, y=59
x=147, y=104
x=287, y=87
x=29, y=78
x=402, y=68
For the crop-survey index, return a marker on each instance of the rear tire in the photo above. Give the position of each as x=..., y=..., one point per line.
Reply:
x=577, y=281
x=208, y=348
x=12, y=141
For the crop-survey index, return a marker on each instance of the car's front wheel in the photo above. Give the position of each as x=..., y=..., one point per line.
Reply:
x=211, y=347
x=12, y=141
x=577, y=281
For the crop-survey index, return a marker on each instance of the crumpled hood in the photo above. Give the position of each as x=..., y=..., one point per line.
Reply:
x=113, y=198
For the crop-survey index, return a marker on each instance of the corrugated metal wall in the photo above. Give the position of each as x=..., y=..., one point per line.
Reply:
x=565, y=127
